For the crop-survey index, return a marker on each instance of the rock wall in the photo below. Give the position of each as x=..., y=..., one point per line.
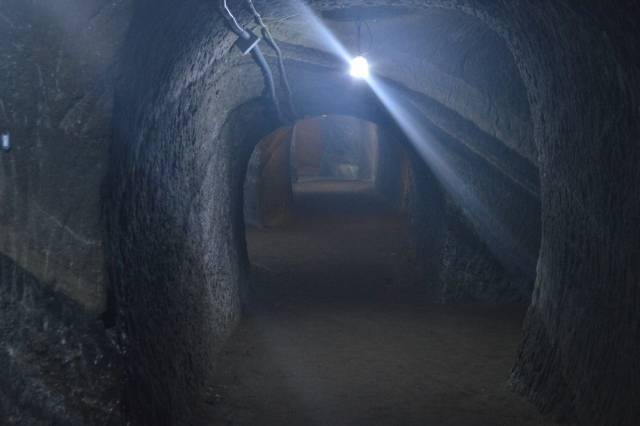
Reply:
x=275, y=196
x=478, y=243
x=185, y=120
x=268, y=196
x=393, y=172
x=56, y=95
x=188, y=111
x=348, y=144
x=57, y=59
x=581, y=347
x=308, y=145
x=450, y=56
x=188, y=114
x=251, y=203
x=58, y=364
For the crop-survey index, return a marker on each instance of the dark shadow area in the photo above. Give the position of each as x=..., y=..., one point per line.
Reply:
x=53, y=346
x=340, y=324
x=339, y=329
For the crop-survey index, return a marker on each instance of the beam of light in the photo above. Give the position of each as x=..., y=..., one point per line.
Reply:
x=359, y=67
x=326, y=37
x=412, y=122
x=302, y=377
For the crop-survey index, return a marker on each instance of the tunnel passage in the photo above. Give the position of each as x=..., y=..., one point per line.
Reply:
x=337, y=326
x=528, y=101
x=187, y=130
x=462, y=264
x=326, y=147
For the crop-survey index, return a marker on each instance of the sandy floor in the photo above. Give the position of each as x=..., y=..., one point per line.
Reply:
x=338, y=331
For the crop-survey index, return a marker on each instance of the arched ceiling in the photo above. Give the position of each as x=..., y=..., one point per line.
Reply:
x=447, y=55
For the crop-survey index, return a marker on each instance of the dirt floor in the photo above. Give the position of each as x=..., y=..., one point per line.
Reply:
x=338, y=330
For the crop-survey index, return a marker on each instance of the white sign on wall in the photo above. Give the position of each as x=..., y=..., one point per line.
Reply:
x=5, y=142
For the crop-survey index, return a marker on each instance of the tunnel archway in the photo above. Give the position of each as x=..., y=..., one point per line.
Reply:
x=464, y=261
x=182, y=145
x=325, y=147
x=338, y=268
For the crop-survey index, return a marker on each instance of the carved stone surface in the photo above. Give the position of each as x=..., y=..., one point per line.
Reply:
x=56, y=100
x=552, y=116
x=58, y=365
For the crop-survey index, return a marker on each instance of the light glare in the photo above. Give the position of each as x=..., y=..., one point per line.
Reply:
x=411, y=120
x=360, y=67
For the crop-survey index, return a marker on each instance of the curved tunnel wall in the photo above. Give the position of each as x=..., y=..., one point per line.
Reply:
x=173, y=203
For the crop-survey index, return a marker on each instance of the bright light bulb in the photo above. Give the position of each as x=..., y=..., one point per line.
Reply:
x=360, y=67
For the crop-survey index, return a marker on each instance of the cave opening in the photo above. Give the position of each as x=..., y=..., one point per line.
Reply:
x=338, y=325
x=468, y=189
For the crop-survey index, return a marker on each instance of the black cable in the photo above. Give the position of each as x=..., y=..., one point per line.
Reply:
x=283, y=75
x=235, y=27
x=358, y=23
x=358, y=42
x=256, y=53
x=268, y=79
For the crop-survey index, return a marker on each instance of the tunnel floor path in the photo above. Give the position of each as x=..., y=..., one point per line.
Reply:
x=337, y=330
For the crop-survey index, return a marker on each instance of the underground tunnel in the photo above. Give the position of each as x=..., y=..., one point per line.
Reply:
x=198, y=229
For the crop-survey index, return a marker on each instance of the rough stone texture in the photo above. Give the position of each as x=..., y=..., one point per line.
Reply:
x=308, y=145
x=348, y=144
x=251, y=203
x=394, y=175
x=369, y=152
x=275, y=196
x=268, y=196
x=452, y=57
x=189, y=111
x=173, y=200
x=579, y=64
x=56, y=62
x=493, y=224
x=476, y=242
x=332, y=90
x=58, y=366
x=580, y=355
x=186, y=123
